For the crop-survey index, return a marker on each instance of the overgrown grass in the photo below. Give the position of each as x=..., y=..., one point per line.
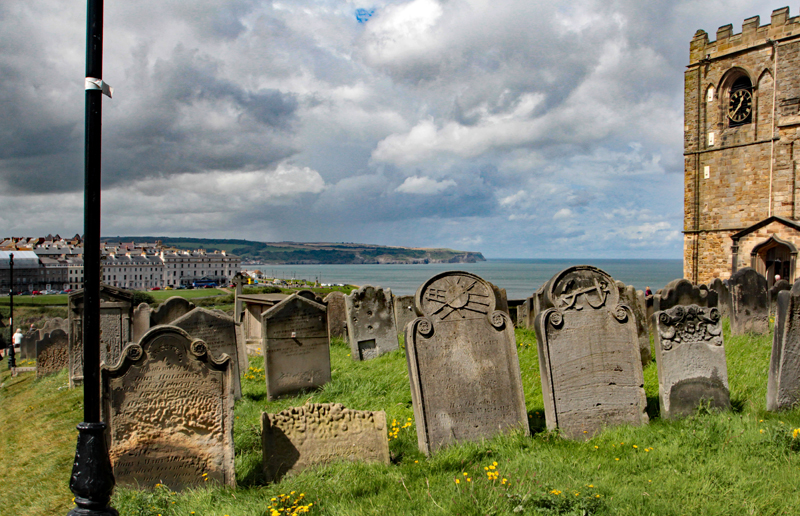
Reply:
x=740, y=462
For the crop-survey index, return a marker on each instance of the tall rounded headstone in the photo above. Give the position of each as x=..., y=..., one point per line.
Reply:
x=749, y=302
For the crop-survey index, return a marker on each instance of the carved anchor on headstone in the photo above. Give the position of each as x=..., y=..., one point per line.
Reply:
x=570, y=300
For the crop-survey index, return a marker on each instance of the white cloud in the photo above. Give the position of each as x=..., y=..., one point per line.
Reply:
x=563, y=213
x=424, y=185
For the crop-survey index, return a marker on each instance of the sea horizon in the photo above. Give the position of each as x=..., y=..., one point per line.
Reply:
x=520, y=277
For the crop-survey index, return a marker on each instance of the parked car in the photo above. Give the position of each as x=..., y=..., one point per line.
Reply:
x=36, y=293
x=155, y=288
x=181, y=287
x=167, y=288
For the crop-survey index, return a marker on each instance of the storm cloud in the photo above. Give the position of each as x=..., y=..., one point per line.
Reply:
x=518, y=128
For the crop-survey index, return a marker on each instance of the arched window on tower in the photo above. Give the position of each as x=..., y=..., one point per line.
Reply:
x=740, y=102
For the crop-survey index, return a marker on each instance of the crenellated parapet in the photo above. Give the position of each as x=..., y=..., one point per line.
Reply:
x=753, y=34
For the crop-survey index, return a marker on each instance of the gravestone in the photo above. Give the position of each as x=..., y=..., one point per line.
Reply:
x=238, y=282
x=462, y=362
x=723, y=296
x=691, y=360
x=683, y=292
x=218, y=331
x=337, y=319
x=295, y=346
x=27, y=349
x=405, y=311
x=778, y=287
x=310, y=295
x=589, y=358
x=783, y=383
x=371, y=327
x=52, y=353
x=321, y=433
x=170, y=310
x=55, y=323
x=116, y=316
x=634, y=299
x=524, y=311
x=749, y=309
x=141, y=321
x=168, y=404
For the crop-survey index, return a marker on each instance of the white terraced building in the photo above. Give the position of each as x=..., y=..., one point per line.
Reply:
x=185, y=267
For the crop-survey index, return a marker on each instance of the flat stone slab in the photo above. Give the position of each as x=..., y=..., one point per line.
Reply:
x=691, y=360
x=589, y=359
x=168, y=404
x=462, y=362
x=320, y=433
x=296, y=348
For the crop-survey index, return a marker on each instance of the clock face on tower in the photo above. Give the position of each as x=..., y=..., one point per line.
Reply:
x=740, y=105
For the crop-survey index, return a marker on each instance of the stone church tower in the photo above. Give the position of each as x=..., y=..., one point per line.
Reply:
x=742, y=122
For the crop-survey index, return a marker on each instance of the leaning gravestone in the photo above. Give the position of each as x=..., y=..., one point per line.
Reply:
x=170, y=310
x=749, y=302
x=462, y=363
x=783, y=384
x=337, y=319
x=52, y=353
x=321, y=433
x=634, y=299
x=168, y=404
x=296, y=347
x=589, y=358
x=116, y=315
x=405, y=311
x=777, y=288
x=141, y=321
x=723, y=296
x=370, y=322
x=218, y=331
x=691, y=360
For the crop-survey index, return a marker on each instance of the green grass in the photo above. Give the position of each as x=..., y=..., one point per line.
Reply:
x=48, y=300
x=735, y=463
x=163, y=295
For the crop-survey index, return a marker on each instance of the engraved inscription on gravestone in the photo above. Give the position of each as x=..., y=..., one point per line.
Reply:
x=691, y=360
x=371, y=326
x=589, y=358
x=169, y=408
x=462, y=361
x=783, y=384
x=218, y=331
x=321, y=433
x=296, y=346
x=52, y=353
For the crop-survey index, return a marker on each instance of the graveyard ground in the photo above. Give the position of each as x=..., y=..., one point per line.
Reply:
x=742, y=462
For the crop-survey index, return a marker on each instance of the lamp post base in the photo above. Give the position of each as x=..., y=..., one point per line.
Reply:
x=92, y=479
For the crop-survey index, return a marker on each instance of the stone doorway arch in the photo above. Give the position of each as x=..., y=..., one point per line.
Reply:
x=774, y=256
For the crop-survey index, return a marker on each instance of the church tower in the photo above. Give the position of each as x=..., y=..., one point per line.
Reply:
x=741, y=121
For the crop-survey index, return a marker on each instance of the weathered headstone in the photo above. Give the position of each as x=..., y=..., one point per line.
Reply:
x=405, y=311
x=295, y=346
x=321, y=433
x=778, y=287
x=589, y=358
x=219, y=333
x=783, y=384
x=52, y=353
x=691, y=360
x=170, y=310
x=683, y=292
x=141, y=321
x=168, y=404
x=55, y=323
x=371, y=327
x=116, y=316
x=634, y=299
x=310, y=295
x=749, y=302
x=462, y=361
x=723, y=296
x=238, y=282
x=524, y=312
x=28, y=346
x=337, y=318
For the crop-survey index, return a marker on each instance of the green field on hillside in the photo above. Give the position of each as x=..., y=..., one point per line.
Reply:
x=741, y=462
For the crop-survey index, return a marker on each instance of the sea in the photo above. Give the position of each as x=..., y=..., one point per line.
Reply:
x=520, y=277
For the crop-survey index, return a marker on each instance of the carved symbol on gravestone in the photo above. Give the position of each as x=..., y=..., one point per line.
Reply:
x=598, y=292
x=692, y=324
x=460, y=295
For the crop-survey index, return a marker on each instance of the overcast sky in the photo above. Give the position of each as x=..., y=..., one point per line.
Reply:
x=517, y=128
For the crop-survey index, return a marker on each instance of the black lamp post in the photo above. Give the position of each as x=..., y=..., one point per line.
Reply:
x=12, y=359
x=92, y=479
